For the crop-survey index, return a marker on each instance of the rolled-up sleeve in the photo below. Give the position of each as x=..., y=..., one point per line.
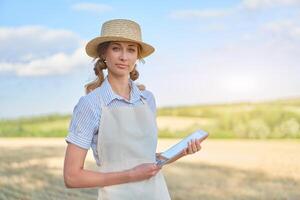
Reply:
x=83, y=125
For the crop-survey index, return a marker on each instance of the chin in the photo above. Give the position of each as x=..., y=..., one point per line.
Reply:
x=120, y=73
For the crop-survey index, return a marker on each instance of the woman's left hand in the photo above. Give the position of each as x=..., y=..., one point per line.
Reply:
x=193, y=147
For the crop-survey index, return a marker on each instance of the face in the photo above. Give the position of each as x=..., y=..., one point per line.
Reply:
x=121, y=57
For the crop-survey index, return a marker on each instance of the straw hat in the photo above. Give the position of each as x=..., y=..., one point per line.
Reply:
x=119, y=30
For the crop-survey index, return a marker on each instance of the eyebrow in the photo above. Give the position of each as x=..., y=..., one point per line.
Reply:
x=120, y=45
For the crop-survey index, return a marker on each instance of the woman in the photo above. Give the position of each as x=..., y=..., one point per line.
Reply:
x=117, y=119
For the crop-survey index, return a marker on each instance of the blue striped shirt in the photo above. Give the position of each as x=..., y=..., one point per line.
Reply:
x=83, y=129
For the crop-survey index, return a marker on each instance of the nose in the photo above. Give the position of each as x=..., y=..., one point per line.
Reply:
x=123, y=55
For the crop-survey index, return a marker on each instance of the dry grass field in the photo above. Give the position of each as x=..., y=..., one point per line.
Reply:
x=31, y=168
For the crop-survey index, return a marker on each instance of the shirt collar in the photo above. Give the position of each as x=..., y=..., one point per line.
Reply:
x=109, y=95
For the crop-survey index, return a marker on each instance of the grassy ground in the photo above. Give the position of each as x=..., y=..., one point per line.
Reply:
x=31, y=168
x=274, y=119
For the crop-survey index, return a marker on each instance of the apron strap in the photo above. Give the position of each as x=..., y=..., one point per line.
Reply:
x=143, y=100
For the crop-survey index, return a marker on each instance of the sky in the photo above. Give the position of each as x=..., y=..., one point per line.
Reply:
x=206, y=52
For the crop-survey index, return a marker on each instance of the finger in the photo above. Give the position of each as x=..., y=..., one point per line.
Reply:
x=158, y=167
x=190, y=151
x=200, y=140
x=154, y=167
x=194, y=147
x=198, y=145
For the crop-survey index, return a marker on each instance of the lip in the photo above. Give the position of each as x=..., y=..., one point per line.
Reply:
x=122, y=66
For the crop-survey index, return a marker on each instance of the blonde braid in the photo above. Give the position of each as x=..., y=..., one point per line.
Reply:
x=134, y=74
x=99, y=66
x=98, y=69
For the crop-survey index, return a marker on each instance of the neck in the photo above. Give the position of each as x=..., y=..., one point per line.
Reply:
x=120, y=85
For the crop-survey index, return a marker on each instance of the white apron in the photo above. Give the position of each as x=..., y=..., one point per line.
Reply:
x=127, y=137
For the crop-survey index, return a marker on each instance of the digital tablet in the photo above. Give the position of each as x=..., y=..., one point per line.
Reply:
x=176, y=149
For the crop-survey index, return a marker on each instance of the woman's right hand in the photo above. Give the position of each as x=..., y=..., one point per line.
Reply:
x=144, y=171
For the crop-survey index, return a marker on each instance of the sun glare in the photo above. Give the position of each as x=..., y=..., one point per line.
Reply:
x=240, y=84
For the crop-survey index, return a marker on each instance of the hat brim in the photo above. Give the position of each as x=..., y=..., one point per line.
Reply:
x=92, y=45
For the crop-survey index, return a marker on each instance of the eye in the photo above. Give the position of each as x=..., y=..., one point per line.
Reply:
x=132, y=50
x=115, y=48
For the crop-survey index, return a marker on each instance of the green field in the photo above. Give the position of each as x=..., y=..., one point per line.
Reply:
x=274, y=119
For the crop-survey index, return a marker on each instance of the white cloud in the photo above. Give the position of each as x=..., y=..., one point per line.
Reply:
x=35, y=50
x=28, y=42
x=245, y=5
x=287, y=29
x=259, y=4
x=191, y=14
x=91, y=7
x=59, y=63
